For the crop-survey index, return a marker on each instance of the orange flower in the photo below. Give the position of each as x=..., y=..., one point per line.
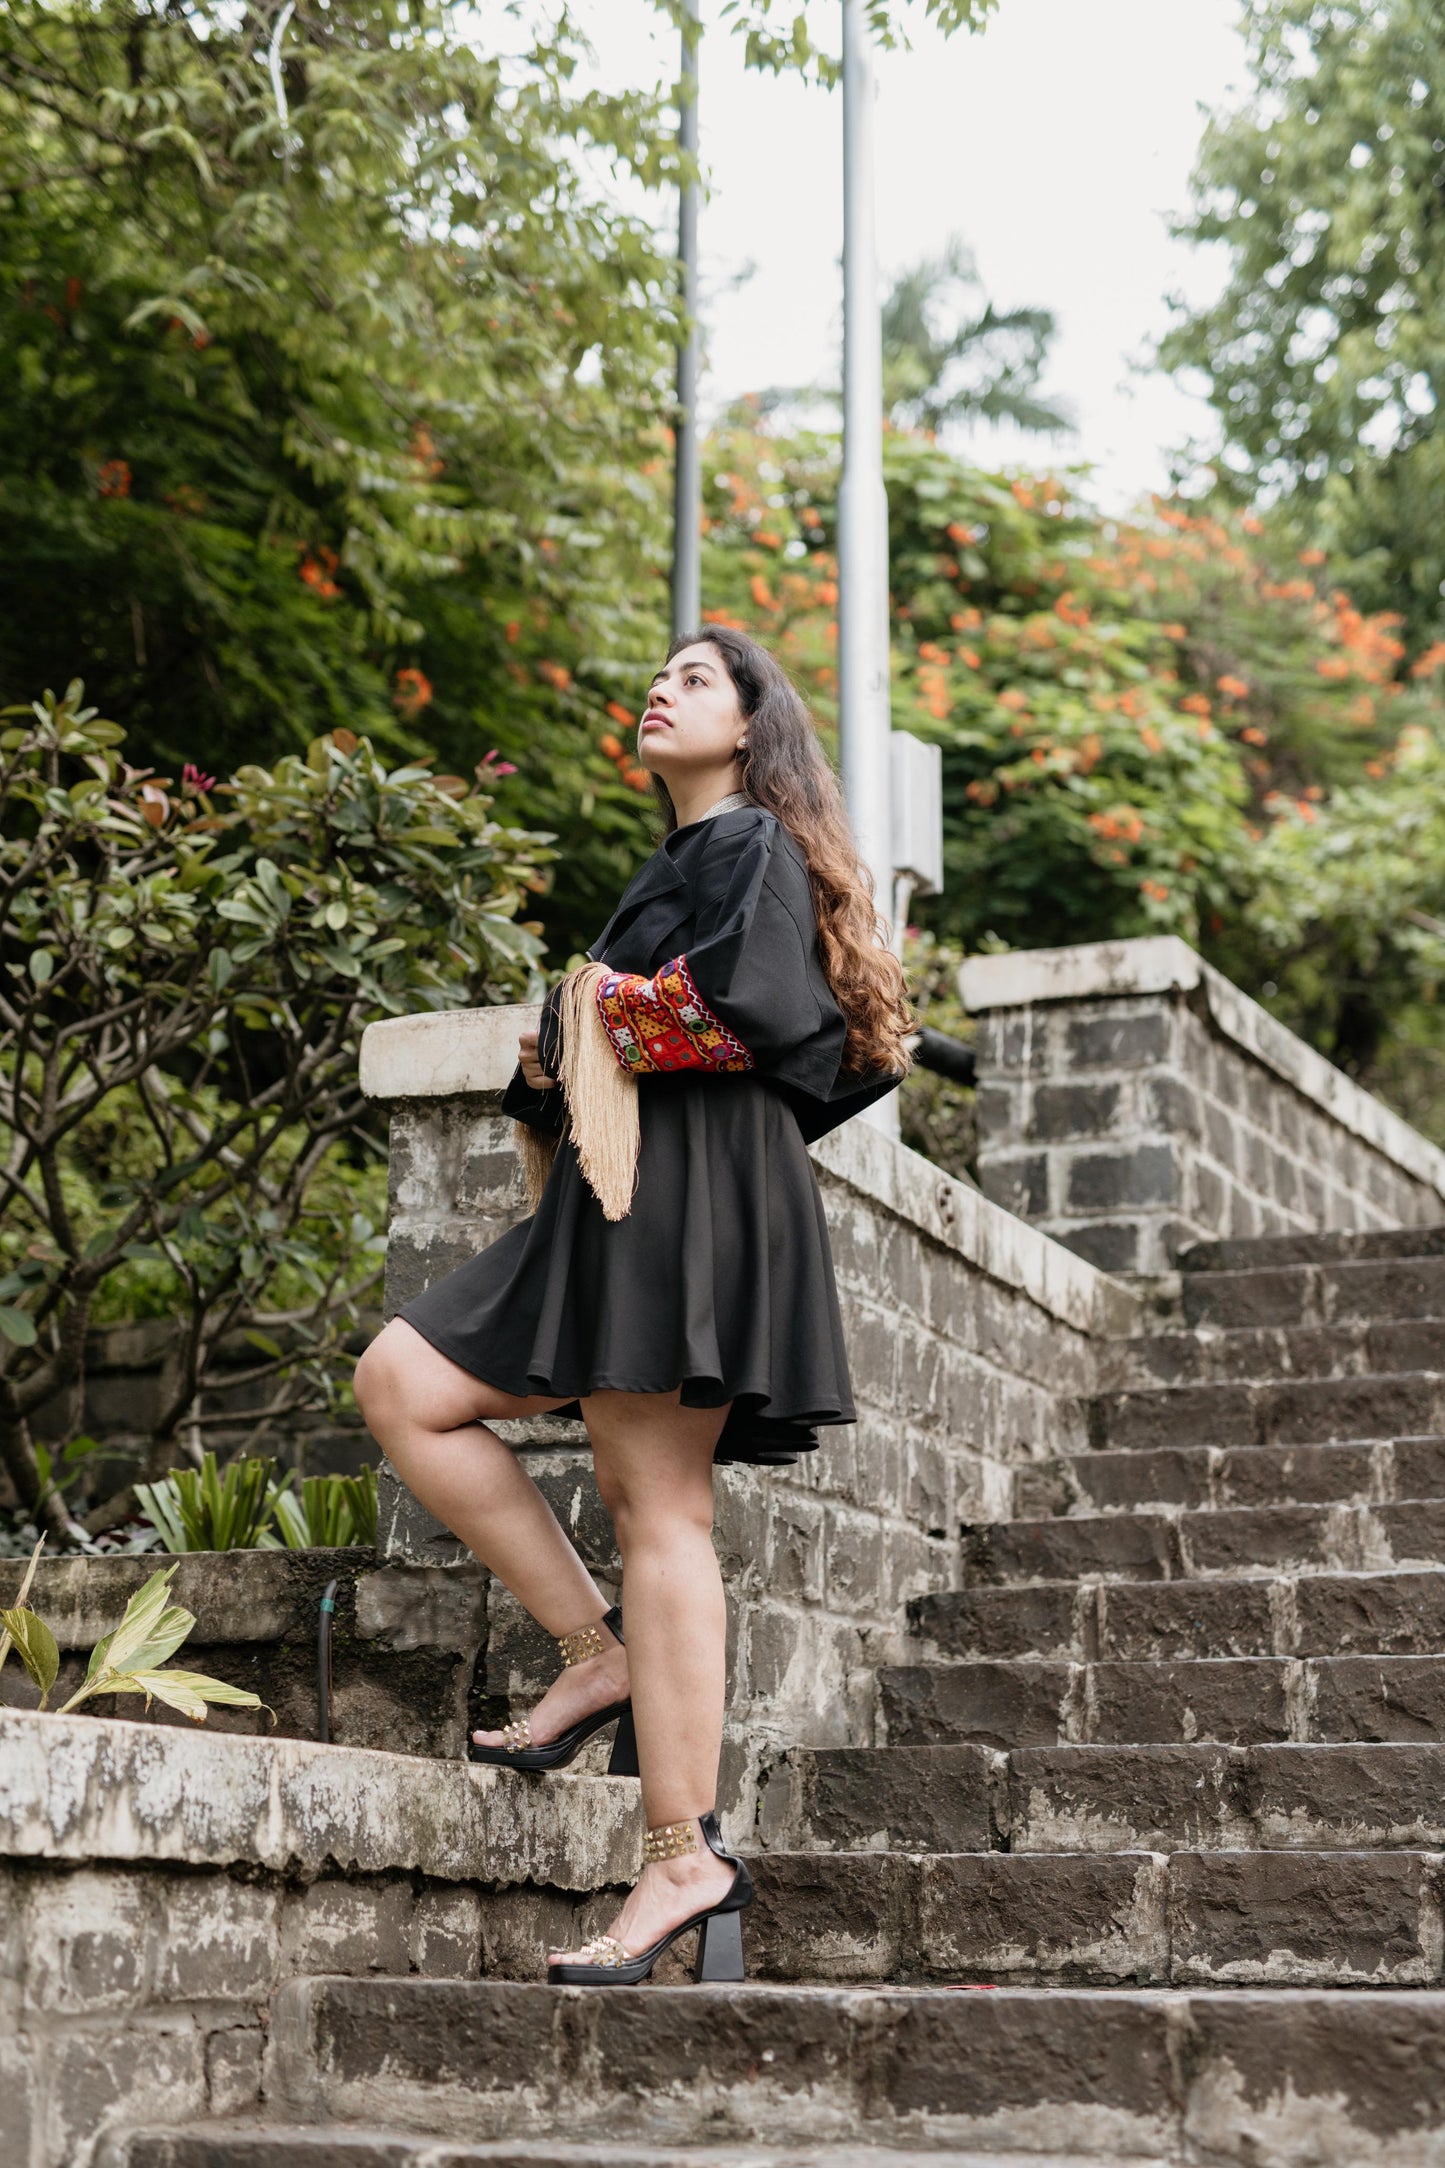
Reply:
x=828, y=593
x=638, y=778
x=969, y=656
x=1155, y=891
x=620, y=714
x=931, y=652
x=413, y=692
x=1251, y=524
x=1430, y=660
x=1175, y=632
x=113, y=478
x=316, y=572
x=1253, y=735
x=1234, y=687
x=761, y=593
x=722, y=617
x=1194, y=704
x=611, y=746
x=1013, y=698
x=514, y=631
x=1150, y=739
x=1333, y=666
x=556, y=674
x=1311, y=557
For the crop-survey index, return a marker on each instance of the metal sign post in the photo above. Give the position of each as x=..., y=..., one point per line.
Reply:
x=687, y=464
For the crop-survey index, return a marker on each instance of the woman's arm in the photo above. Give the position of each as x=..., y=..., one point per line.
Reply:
x=740, y=995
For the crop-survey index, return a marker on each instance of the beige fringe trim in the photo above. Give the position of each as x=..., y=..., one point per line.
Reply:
x=601, y=1105
x=601, y=1097
x=536, y=1150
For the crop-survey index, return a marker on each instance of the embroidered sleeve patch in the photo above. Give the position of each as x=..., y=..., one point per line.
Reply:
x=662, y=1023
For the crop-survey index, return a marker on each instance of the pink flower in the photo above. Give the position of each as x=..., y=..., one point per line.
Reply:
x=192, y=778
x=485, y=768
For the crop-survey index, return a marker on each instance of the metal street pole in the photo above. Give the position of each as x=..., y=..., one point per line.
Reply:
x=863, y=714
x=687, y=465
x=864, y=721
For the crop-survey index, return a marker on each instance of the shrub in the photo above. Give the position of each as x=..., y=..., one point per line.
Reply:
x=194, y=964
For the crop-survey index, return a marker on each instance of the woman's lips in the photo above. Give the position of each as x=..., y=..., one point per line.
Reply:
x=650, y=720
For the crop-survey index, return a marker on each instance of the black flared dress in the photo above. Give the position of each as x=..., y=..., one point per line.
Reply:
x=720, y=1279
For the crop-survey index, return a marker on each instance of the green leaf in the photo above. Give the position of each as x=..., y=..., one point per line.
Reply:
x=36, y=1645
x=18, y=1326
x=188, y=1691
x=140, y=1619
x=42, y=963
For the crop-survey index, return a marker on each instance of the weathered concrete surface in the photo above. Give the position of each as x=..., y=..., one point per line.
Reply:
x=1132, y=1102
x=337, y=2146
x=1267, y=2079
x=156, y=1886
x=79, y=1788
x=406, y=1639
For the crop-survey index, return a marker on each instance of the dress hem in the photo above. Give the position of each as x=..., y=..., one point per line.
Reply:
x=803, y=1418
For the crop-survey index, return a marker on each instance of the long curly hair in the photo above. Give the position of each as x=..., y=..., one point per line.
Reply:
x=784, y=770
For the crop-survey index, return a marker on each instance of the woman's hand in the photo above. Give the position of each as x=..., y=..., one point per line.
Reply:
x=532, y=1068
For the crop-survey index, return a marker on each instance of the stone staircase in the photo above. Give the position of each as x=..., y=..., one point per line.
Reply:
x=1146, y=1866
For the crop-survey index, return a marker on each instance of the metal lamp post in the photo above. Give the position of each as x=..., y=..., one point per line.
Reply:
x=863, y=703
x=687, y=465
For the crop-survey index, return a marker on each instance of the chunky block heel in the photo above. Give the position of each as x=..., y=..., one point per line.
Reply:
x=719, y=1947
x=623, y=1762
x=606, y=1962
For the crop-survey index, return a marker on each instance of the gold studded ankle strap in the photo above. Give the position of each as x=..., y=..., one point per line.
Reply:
x=670, y=1840
x=581, y=1647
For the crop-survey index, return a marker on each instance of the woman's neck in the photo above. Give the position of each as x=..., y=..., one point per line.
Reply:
x=691, y=804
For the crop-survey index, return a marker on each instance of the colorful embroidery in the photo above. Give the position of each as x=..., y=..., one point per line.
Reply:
x=663, y=1023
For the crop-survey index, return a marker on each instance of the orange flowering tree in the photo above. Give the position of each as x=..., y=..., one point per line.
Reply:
x=1125, y=707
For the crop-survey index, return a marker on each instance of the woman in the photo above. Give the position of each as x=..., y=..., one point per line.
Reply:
x=674, y=1284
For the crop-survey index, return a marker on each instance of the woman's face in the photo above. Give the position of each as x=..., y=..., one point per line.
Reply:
x=692, y=725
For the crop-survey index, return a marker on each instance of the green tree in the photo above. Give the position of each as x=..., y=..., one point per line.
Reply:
x=329, y=375
x=1322, y=355
x=949, y=355
x=185, y=972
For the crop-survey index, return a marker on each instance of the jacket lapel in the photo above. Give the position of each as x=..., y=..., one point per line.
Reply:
x=659, y=878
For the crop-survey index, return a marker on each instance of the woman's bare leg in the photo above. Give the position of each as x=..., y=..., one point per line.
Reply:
x=654, y=1470
x=426, y=1413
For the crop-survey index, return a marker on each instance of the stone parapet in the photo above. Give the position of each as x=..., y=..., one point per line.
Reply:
x=973, y=1342
x=157, y=1887
x=1132, y=1102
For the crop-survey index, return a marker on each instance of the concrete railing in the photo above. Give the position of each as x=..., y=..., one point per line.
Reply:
x=973, y=1341
x=1132, y=1101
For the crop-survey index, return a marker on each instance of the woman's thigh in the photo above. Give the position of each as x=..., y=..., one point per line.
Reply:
x=402, y=1375
x=651, y=1453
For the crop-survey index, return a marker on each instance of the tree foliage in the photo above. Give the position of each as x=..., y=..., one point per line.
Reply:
x=205, y=957
x=1321, y=356
x=330, y=371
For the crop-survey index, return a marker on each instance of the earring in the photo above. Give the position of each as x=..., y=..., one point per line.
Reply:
x=744, y=746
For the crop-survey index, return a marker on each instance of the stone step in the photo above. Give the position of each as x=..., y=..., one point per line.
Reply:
x=1325, y=1294
x=1110, y=1798
x=1100, y=1919
x=1271, y=2078
x=336, y=2145
x=1297, y=1411
x=1239, y=1701
x=1252, y=1253
x=1274, y=1353
x=1361, y=1472
x=1240, y=1540
x=1324, y=1614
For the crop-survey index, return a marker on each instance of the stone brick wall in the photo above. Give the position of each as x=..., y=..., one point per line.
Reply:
x=972, y=1342
x=157, y=1887
x=1131, y=1102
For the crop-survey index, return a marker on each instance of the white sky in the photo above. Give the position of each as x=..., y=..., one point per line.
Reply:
x=1056, y=143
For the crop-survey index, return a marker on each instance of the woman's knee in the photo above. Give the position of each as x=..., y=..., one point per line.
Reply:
x=655, y=1515
x=379, y=1380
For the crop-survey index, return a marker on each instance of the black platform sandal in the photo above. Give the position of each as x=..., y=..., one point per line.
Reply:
x=720, y=1928
x=519, y=1752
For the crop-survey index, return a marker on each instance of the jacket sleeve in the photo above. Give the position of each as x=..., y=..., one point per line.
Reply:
x=742, y=994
